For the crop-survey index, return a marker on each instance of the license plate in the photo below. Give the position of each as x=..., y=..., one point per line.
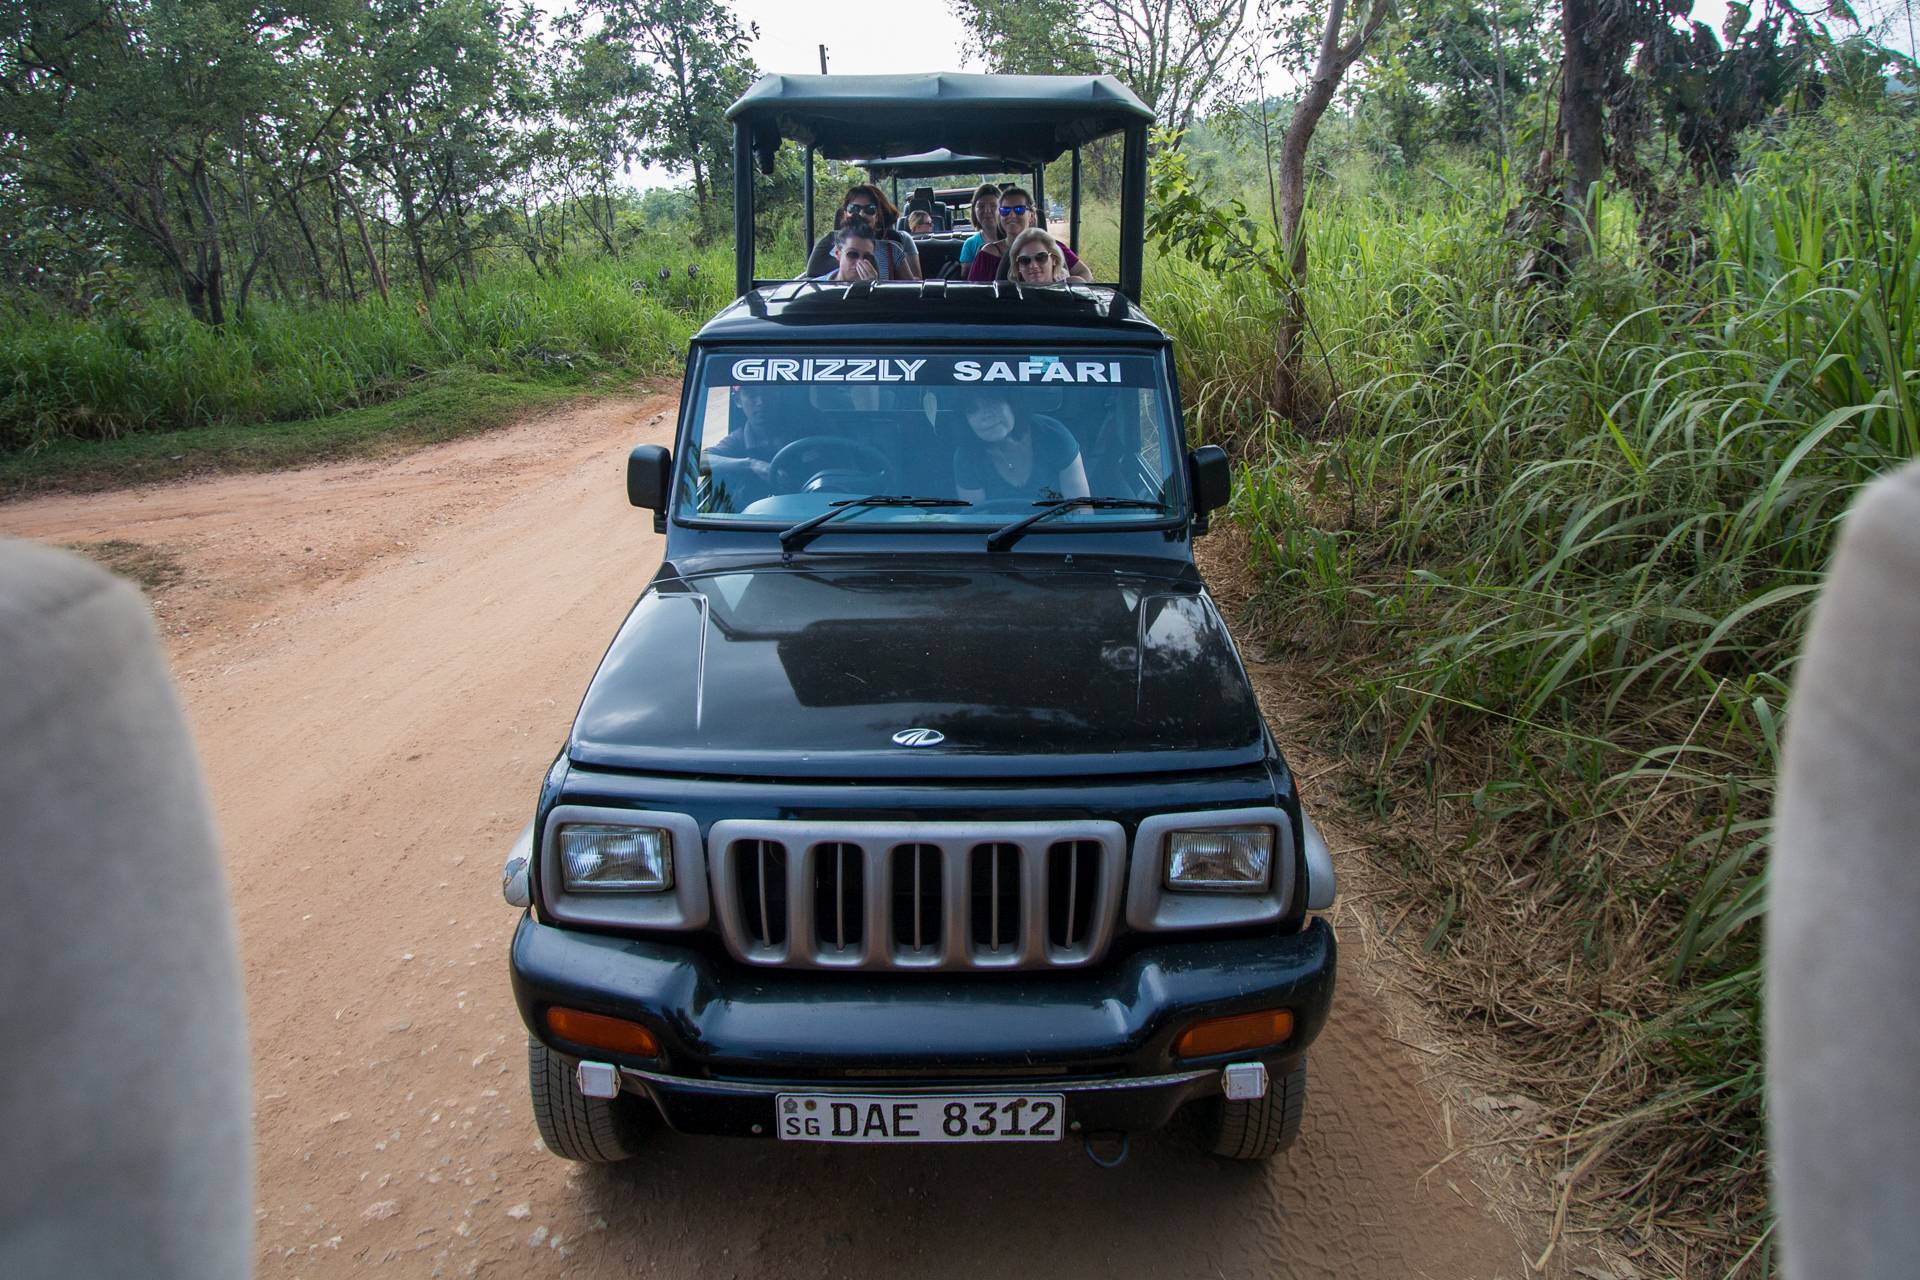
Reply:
x=959, y=1117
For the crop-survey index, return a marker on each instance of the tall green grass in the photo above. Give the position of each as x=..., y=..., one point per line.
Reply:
x=156, y=369
x=1562, y=546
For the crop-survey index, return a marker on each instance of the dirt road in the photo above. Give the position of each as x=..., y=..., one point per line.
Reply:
x=379, y=661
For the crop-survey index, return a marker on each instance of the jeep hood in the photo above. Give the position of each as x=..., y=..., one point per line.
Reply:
x=805, y=672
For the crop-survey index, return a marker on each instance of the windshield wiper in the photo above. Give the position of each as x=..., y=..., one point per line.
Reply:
x=799, y=532
x=1002, y=538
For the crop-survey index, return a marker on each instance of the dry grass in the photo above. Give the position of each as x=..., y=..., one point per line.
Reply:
x=148, y=567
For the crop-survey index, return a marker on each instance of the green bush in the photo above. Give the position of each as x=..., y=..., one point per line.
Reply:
x=153, y=368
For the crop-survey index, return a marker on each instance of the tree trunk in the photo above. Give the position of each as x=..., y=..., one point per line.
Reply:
x=374, y=267
x=530, y=235
x=1332, y=64
x=209, y=265
x=410, y=223
x=1581, y=84
x=606, y=202
x=1500, y=94
x=313, y=247
x=463, y=267
x=340, y=243
x=683, y=100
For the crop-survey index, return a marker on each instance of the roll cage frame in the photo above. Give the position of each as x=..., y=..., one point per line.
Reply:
x=1026, y=121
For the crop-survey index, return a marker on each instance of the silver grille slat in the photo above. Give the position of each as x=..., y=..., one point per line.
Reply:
x=993, y=860
x=760, y=857
x=858, y=865
x=1073, y=883
x=840, y=895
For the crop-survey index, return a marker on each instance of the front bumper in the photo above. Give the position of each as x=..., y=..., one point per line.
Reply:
x=732, y=1038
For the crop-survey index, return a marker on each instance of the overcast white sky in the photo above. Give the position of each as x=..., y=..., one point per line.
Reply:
x=917, y=35
x=923, y=35
x=920, y=35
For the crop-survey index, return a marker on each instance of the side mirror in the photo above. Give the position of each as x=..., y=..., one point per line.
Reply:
x=649, y=476
x=1210, y=477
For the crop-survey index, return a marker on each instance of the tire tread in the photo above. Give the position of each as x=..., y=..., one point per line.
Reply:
x=1262, y=1127
x=574, y=1126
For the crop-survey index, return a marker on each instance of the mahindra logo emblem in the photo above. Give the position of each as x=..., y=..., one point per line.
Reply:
x=919, y=738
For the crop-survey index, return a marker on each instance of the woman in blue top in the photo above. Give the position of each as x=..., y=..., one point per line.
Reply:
x=986, y=220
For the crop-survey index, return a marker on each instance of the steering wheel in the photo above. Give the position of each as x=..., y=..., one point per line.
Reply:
x=806, y=456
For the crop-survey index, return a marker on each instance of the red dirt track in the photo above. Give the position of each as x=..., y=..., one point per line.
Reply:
x=379, y=660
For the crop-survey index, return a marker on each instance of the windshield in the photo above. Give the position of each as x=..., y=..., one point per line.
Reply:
x=782, y=436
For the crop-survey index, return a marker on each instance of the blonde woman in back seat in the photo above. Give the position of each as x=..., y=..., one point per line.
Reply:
x=1038, y=259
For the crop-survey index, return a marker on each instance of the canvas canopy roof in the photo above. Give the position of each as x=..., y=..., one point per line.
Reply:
x=934, y=164
x=1030, y=120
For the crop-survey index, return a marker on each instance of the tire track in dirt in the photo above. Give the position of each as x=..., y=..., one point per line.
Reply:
x=378, y=660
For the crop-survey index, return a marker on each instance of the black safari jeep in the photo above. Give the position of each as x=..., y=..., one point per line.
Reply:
x=922, y=796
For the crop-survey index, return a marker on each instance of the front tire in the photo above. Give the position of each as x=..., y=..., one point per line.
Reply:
x=574, y=1126
x=1260, y=1128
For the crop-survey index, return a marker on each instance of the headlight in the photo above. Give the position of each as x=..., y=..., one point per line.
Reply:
x=610, y=859
x=1220, y=859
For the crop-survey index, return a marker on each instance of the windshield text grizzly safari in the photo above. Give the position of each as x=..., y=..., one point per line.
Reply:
x=986, y=433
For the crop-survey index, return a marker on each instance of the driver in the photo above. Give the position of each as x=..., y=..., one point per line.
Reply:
x=741, y=462
x=780, y=444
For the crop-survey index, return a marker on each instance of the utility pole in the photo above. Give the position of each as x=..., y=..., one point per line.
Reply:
x=823, y=59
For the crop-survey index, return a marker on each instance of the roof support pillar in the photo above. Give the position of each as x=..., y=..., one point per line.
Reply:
x=806, y=185
x=743, y=210
x=1133, y=209
x=1039, y=195
x=1073, y=213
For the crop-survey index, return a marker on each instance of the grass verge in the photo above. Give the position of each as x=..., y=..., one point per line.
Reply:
x=436, y=406
x=1556, y=566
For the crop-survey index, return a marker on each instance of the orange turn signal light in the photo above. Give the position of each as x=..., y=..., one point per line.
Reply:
x=1260, y=1030
x=597, y=1031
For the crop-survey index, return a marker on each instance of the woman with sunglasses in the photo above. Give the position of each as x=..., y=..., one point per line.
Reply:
x=857, y=257
x=1017, y=214
x=867, y=205
x=1038, y=258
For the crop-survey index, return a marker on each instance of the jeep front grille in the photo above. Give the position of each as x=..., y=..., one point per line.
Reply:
x=762, y=874
x=906, y=896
